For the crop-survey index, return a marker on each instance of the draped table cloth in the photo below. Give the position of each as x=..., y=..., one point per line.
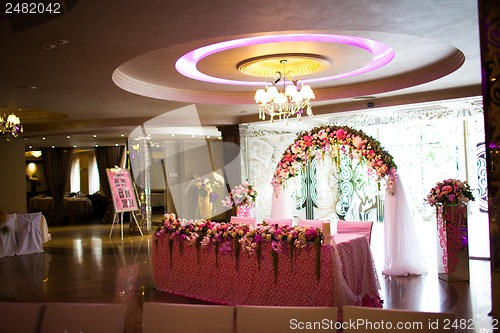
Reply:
x=75, y=207
x=347, y=275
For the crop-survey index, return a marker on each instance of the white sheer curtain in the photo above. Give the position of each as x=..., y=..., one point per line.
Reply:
x=403, y=255
x=94, y=184
x=74, y=179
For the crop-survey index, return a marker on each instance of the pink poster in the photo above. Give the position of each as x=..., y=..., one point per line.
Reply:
x=121, y=189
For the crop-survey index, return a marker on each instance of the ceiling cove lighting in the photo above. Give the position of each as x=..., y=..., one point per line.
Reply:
x=284, y=97
x=187, y=64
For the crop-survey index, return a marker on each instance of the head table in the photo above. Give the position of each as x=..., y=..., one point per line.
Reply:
x=347, y=274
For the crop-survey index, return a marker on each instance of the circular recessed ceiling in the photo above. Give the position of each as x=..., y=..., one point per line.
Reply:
x=365, y=63
x=31, y=116
x=293, y=64
x=186, y=65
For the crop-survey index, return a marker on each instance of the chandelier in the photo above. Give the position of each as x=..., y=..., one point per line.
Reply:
x=10, y=125
x=284, y=97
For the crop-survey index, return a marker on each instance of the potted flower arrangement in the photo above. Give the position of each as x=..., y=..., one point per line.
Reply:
x=450, y=192
x=243, y=198
x=203, y=190
x=450, y=197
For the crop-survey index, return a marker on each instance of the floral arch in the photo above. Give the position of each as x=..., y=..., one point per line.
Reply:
x=336, y=140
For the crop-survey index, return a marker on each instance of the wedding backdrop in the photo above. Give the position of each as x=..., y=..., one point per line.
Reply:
x=428, y=143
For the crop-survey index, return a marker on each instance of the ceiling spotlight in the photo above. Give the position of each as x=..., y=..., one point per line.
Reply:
x=53, y=146
x=193, y=136
x=220, y=137
x=122, y=135
x=116, y=145
x=173, y=134
x=74, y=146
x=30, y=147
x=43, y=138
x=68, y=137
x=208, y=136
x=95, y=136
x=97, y=145
x=157, y=146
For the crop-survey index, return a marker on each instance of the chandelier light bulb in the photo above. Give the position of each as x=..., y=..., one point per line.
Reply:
x=10, y=125
x=284, y=97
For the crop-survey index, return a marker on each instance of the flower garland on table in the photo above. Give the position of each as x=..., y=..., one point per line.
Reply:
x=243, y=237
x=243, y=194
x=352, y=143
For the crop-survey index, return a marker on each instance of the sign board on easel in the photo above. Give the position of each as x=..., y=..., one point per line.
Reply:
x=123, y=195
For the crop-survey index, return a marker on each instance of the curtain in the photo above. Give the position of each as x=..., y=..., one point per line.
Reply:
x=108, y=157
x=403, y=255
x=57, y=167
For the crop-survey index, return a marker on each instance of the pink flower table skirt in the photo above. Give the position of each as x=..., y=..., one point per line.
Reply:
x=348, y=278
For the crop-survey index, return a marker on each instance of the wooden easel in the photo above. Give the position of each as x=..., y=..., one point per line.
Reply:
x=115, y=220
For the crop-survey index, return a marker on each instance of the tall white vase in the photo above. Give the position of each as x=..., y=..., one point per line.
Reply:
x=281, y=206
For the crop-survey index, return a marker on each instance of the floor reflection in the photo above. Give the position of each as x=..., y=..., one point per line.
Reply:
x=82, y=264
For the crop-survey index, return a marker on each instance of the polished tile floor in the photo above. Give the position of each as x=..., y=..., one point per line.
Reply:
x=82, y=264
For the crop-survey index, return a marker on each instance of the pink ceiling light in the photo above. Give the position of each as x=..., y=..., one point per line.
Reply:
x=186, y=65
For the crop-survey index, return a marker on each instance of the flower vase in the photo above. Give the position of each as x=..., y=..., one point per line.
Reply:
x=244, y=210
x=205, y=207
x=454, y=243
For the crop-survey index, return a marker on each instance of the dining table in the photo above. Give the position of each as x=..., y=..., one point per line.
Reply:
x=346, y=275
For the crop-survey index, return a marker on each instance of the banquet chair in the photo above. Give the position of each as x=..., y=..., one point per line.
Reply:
x=283, y=319
x=8, y=244
x=280, y=222
x=83, y=317
x=312, y=223
x=187, y=318
x=19, y=317
x=355, y=227
x=414, y=318
x=243, y=220
x=28, y=233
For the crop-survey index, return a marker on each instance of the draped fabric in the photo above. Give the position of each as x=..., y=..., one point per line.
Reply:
x=57, y=168
x=108, y=157
x=403, y=255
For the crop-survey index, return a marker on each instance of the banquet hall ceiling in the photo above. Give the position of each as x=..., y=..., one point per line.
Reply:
x=118, y=51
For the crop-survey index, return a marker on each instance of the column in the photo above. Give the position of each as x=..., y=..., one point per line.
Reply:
x=489, y=27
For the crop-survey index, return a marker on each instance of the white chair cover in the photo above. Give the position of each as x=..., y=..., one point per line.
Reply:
x=263, y=319
x=376, y=316
x=184, y=318
x=8, y=242
x=280, y=222
x=81, y=317
x=44, y=230
x=19, y=317
x=28, y=233
x=243, y=220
